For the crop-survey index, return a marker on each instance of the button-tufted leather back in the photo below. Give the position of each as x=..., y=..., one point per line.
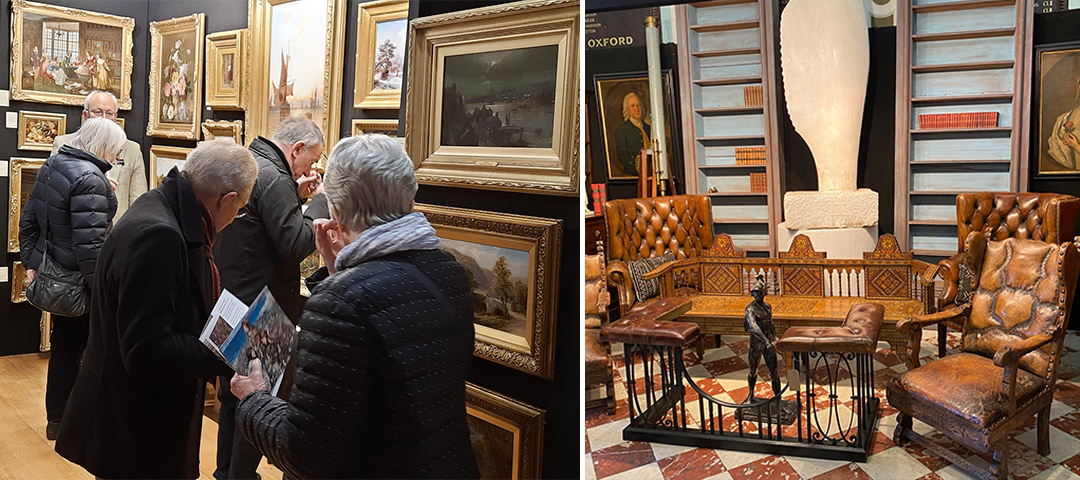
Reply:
x=1049, y=217
x=648, y=227
x=1024, y=288
x=594, y=284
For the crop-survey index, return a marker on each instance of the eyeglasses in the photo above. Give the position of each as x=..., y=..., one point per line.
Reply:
x=97, y=112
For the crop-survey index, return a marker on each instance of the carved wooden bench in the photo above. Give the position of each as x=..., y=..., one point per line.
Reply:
x=804, y=287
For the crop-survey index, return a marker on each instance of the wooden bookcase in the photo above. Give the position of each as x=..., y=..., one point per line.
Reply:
x=958, y=56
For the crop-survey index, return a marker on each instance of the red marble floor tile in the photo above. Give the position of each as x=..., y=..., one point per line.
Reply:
x=690, y=357
x=930, y=476
x=769, y=468
x=741, y=347
x=696, y=464
x=598, y=416
x=1068, y=423
x=850, y=471
x=884, y=409
x=588, y=448
x=726, y=365
x=887, y=358
x=882, y=442
x=1024, y=462
x=1067, y=393
x=1073, y=464
x=926, y=457
x=622, y=457
x=710, y=386
x=883, y=377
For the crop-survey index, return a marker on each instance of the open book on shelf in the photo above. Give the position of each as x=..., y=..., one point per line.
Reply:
x=238, y=333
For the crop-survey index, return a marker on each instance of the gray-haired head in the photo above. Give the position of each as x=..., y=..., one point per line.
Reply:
x=101, y=137
x=217, y=167
x=369, y=181
x=90, y=97
x=299, y=129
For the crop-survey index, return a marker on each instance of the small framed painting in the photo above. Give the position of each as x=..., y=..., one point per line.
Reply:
x=122, y=122
x=23, y=177
x=507, y=435
x=380, y=53
x=176, y=61
x=225, y=65
x=37, y=130
x=234, y=130
x=1058, y=93
x=163, y=159
x=385, y=127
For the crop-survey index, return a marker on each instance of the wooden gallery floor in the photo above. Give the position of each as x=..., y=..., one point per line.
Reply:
x=24, y=451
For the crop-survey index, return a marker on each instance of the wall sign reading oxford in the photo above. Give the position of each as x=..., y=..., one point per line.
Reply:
x=625, y=28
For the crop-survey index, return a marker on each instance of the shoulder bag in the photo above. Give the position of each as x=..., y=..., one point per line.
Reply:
x=54, y=288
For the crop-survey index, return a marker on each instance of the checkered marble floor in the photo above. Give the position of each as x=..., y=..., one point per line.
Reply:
x=722, y=373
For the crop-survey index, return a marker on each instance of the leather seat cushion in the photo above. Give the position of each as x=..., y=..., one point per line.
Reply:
x=597, y=360
x=964, y=385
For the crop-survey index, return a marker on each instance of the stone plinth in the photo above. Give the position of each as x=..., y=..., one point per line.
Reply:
x=814, y=209
x=835, y=242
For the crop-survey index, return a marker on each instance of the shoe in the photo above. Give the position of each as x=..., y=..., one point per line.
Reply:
x=51, y=430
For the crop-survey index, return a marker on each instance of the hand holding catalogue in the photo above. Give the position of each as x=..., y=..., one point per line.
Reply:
x=265, y=336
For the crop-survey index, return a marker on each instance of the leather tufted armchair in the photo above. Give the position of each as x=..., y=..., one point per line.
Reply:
x=598, y=366
x=640, y=228
x=1049, y=217
x=1007, y=366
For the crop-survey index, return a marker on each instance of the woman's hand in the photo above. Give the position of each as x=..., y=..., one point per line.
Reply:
x=328, y=241
x=243, y=386
x=30, y=274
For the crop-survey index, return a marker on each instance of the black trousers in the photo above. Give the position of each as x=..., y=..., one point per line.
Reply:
x=68, y=342
x=237, y=459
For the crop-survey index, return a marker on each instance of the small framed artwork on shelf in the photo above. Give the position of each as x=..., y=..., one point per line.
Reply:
x=226, y=58
x=37, y=130
x=626, y=122
x=1058, y=93
x=234, y=130
x=163, y=159
x=176, y=61
x=507, y=435
x=23, y=177
x=385, y=127
x=380, y=53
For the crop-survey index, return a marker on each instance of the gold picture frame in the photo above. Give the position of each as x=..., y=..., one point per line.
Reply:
x=212, y=129
x=534, y=41
x=514, y=317
x=265, y=71
x=380, y=53
x=20, y=184
x=176, y=62
x=162, y=159
x=37, y=130
x=366, y=125
x=122, y=122
x=225, y=75
x=507, y=435
x=107, y=67
x=18, y=283
x=45, y=325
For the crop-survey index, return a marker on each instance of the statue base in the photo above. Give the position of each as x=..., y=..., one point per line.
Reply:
x=814, y=209
x=782, y=413
x=835, y=242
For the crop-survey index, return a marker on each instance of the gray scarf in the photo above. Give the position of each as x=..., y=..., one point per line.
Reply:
x=411, y=232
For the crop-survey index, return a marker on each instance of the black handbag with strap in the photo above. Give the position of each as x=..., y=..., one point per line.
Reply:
x=54, y=288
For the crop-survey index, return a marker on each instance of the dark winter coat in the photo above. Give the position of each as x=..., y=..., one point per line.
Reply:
x=72, y=186
x=136, y=408
x=379, y=389
x=265, y=246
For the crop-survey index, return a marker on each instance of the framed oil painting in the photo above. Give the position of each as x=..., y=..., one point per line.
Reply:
x=176, y=61
x=507, y=435
x=212, y=129
x=1058, y=91
x=513, y=266
x=122, y=122
x=226, y=62
x=163, y=159
x=380, y=53
x=20, y=184
x=495, y=98
x=297, y=47
x=60, y=54
x=37, y=130
x=626, y=122
x=385, y=127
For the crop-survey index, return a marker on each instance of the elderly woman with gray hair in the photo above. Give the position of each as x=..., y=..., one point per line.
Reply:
x=69, y=211
x=379, y=388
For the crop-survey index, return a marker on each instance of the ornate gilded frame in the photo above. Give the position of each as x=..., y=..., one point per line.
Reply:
x=18, y=283
x=258, y=71
x=533, y=352
x=122, y=122
x=15, y=196
x=163, y=151
x=212, y=129
x=19, y=8
x=525, y=422
x=156, y=127
x=218, y=96
x=25, y=117
x=367, y=17
x=518, y=25
x=361, y=126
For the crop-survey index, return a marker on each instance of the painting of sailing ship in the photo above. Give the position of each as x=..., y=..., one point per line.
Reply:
x=297, y=61
x=503, y=98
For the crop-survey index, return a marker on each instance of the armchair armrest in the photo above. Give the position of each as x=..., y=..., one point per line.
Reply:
x=618, y=276
x=1010, y=354
x=659, y=271
x=949, y=271
x=910, y=324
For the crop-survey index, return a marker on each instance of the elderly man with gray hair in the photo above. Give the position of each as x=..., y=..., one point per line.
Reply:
x=128, y=173
x=136, y=409
x=385, y=339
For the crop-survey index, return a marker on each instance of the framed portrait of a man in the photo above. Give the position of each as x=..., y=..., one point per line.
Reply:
x=1058, y=91
x=626, y=120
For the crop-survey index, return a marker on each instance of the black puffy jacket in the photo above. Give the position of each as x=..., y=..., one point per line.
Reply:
x=71, y=199
x=379, y=388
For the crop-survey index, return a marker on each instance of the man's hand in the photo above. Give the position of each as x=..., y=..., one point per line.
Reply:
x=328, y=241
x=308, y=183
x=243, y=386
x=112, y=183
x=30, y=274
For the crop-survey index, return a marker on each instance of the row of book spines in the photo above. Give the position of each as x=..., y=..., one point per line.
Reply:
x=752, y=95
x=958, y=120
x=599, y=196
x=758, y=183
x=750, y=155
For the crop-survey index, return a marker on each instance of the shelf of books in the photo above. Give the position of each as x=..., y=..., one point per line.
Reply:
x=726, y=61
x=961, y=116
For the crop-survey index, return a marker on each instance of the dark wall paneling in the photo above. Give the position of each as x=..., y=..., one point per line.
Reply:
x=560, y=398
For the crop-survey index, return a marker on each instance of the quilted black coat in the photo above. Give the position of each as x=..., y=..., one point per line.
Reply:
x=81, y=204
x=379, y=389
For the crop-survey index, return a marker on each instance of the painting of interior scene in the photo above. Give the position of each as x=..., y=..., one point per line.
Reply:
x=500, y=282
x=297, y=61
x=504, y=98
x=64, y=56
x=390, y=56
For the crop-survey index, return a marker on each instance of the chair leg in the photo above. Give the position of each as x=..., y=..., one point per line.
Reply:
x=1043, y=431
x=999, y=467
x=903, y=426
x=942, y=337
x=700, y=347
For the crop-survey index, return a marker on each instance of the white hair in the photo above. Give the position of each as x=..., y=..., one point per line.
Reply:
x=369, y=181
x=221, y=166
x=299, y=129
x=100, y=136
x=86, y=103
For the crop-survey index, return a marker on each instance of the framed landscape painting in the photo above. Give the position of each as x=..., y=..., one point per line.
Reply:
x=37, y=130
x=23, y=176
x=513, y=267
x=507, y=435
x=1058, y=91
x=60, y=54
x=380, y=53
x=176, y=62
x=163, y=159
x=226, y=62
x=495, y=97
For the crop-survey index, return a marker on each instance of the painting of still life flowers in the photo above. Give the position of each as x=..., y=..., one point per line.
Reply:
x=175, y=67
